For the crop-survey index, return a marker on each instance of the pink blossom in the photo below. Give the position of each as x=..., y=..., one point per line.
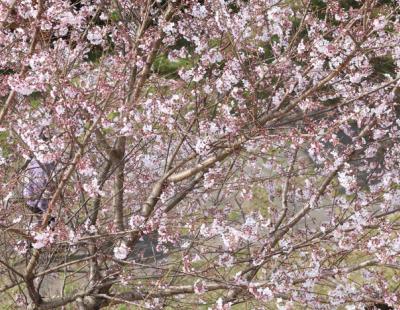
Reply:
x=199, y=287
x=43, y=239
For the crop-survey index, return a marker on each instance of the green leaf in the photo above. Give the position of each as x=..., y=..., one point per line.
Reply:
x=112, y=115
x=114, y=16
x=163, y=66
x=35, y=100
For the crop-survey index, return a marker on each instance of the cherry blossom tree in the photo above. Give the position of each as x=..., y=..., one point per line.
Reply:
x=200, y=154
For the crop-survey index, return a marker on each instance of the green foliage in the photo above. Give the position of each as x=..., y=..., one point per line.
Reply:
x=112, y=115
x=6, y=71
x=319, y=7
x=35, y=100
x=95, y=54
x=76, y=81
x=388, y=2
x=383, y=65
x=163, y=66
x=262, y=94
x=268, y=55
x=328, y=89
x=260, y=202
x=214, y=43
x=4, y=145
x=114, y=16
x=182, y=42
x=347, y=4
x=295, y=27
x=233, y=8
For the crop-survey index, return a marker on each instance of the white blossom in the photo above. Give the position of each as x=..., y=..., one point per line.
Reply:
x=95, y=36
x=121, y=251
